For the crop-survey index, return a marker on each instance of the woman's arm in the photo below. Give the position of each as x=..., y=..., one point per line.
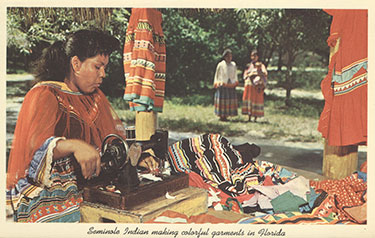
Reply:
x=218, y=80
x=85, y=154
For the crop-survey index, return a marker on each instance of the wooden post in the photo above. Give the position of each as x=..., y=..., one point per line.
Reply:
x=145, y=125
x=339, y=161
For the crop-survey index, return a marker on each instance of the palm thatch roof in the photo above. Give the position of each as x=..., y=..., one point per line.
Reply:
x=30, y=14
x=100, y=15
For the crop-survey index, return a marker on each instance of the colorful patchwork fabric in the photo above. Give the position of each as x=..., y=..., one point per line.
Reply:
x=59, y=205
x=294, y=218
x=347, y=192
x=49, y=193
x=325, y=214
x=327, y=208
x=213, y=157
x=287, y=202
x=232, y=204
x=145, y=61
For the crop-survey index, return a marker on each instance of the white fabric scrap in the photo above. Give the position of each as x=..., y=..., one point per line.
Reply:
x=214, y=198
x=168, y=196
x=218, y=207
x=170, y=219
x=150, y=177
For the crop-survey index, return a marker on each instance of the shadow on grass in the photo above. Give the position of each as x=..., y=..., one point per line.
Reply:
x=307, y=107
x=238, y=119
x=199, y=127
x=245, y=120
x=261, y=122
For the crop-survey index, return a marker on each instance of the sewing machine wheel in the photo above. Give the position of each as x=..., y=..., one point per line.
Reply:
x=114, y=153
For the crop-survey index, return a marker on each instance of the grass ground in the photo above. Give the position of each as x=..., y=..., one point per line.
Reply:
x=296, y=123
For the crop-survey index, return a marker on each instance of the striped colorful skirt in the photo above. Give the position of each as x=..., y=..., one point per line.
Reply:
x=226, y=102
x=55, y=205
x=59, y=202
x=253, y=101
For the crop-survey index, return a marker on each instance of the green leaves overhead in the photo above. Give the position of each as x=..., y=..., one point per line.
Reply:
x=195, y=40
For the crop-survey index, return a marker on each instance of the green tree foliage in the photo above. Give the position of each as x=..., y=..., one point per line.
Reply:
x=191, y=53
x=287, y=33
x=26, y=37
x=195, y=40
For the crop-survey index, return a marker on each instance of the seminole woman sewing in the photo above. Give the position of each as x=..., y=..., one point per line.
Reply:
x=63, y=121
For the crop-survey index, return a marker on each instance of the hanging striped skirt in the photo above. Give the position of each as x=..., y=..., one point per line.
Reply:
x=226, y=102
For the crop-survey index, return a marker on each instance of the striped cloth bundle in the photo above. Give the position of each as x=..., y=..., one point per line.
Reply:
x=216, y=160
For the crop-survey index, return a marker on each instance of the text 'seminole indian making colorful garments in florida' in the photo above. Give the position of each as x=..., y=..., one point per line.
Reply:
x=145, y=61
x=344, y=117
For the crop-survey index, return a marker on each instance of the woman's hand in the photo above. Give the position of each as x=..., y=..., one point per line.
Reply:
x=151, y=164
x=85, y=154
x=89, y=159
x=218, y=84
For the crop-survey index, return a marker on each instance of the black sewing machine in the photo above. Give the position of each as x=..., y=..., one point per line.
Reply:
x=118, y=184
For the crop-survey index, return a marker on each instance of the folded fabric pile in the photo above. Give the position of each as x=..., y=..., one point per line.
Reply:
x=269, y=192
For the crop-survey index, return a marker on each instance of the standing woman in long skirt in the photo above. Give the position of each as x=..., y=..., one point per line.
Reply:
x=225, y=82
x=255, y=77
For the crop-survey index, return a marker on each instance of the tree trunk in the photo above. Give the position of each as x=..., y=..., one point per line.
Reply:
x=267, y=57
x=280, y=61
x=288, y=88
x=289, y=79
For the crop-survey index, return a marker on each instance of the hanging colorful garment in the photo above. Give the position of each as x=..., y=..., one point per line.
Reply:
x=145, y=61
x=344, y=117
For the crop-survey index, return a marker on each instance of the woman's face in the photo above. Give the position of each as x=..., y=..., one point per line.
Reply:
x=254, y=57
x=228, y=57
x=88, y=74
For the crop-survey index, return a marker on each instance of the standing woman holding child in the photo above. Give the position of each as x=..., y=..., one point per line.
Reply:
x=255, y=77
x=225, y=82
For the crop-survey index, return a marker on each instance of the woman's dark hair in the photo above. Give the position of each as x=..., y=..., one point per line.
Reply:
x=225, y=52
x=54, y=64
x=255, y=52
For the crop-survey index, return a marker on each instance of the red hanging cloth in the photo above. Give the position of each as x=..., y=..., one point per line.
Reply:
x=344, y=117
